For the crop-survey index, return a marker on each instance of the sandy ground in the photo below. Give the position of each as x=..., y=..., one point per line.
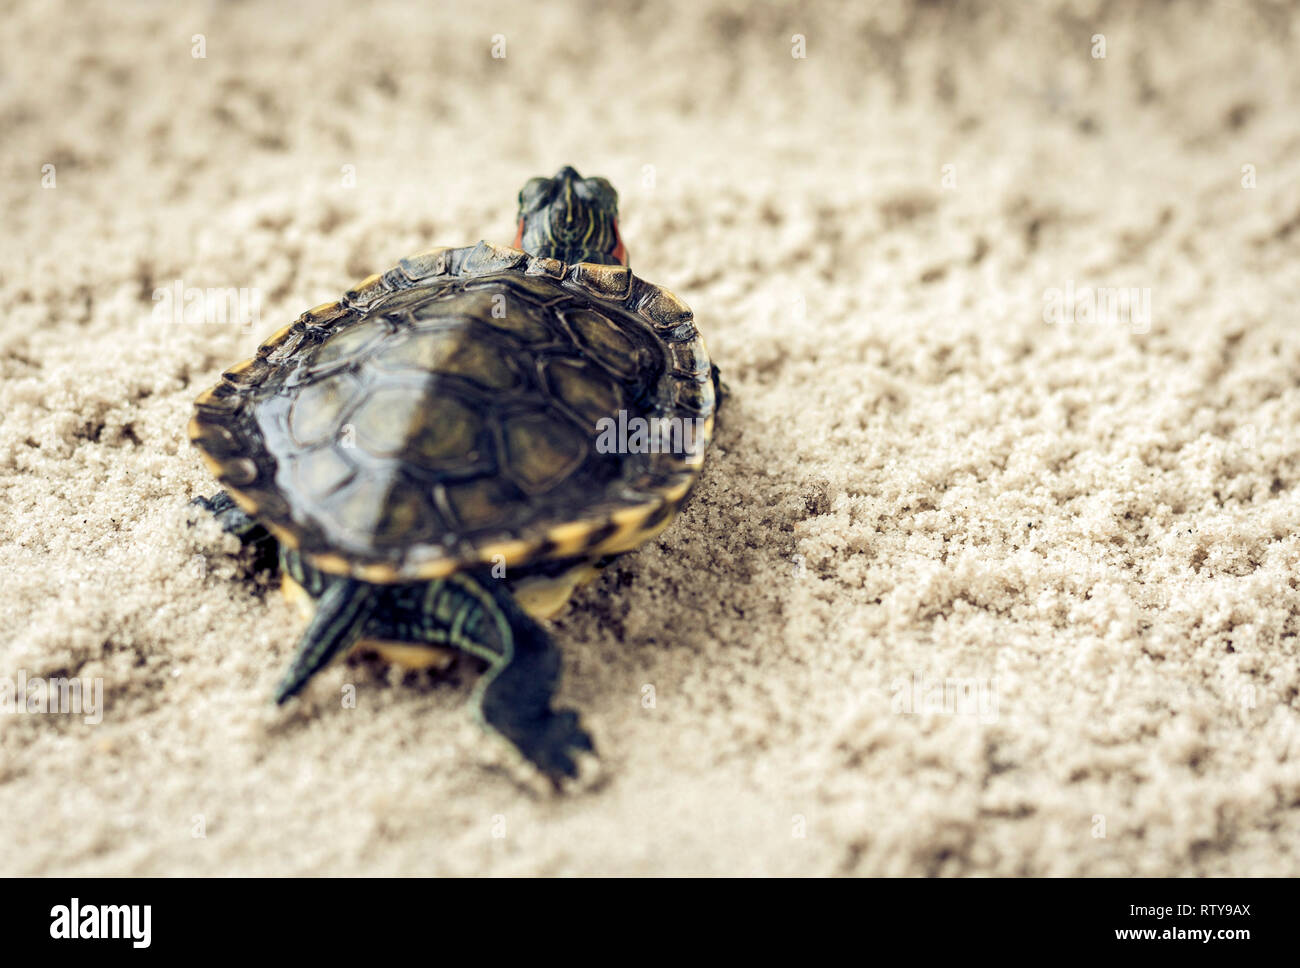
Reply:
x=976, y=582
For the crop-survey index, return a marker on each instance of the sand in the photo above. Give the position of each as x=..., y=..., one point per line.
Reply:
x=979, y=580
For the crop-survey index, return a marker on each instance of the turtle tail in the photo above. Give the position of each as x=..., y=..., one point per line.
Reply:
x=341, y=614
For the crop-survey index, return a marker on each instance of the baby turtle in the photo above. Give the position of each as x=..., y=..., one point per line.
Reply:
x=442, y=456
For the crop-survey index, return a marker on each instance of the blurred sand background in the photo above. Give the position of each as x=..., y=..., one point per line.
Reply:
x=1091, y=525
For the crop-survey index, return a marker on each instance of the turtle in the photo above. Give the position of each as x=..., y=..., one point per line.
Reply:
x=436, y=461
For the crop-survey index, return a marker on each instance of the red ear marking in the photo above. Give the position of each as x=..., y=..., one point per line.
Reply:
x=519, y=236
x=620, y=250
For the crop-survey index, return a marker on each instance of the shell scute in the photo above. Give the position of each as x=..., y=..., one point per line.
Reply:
x=607, y=341
x=607, y=282
x=541, y=451
x=450, y=352
x=664, y=309
x=318, y=408
x=425, y=265
x=588, y=393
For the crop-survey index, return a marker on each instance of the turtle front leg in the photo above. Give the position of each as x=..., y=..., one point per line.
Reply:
x=228, y=514
x=513, y=697
x=234, y=520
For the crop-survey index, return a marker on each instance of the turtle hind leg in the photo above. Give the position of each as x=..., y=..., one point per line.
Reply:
x=342, y=612
x=720, y=390
x=513, y=698
x=260, y=544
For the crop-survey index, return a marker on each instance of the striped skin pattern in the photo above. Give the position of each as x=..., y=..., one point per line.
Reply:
x=570, y=218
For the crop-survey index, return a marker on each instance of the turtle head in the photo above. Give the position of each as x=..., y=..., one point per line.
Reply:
x=570, y=218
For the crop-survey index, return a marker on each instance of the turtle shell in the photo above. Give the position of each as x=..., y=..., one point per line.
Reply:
x=448, y=413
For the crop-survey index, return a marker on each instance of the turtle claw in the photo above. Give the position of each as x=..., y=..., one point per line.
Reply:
x=554, y=744
x=223, y=507
x=230, y=516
